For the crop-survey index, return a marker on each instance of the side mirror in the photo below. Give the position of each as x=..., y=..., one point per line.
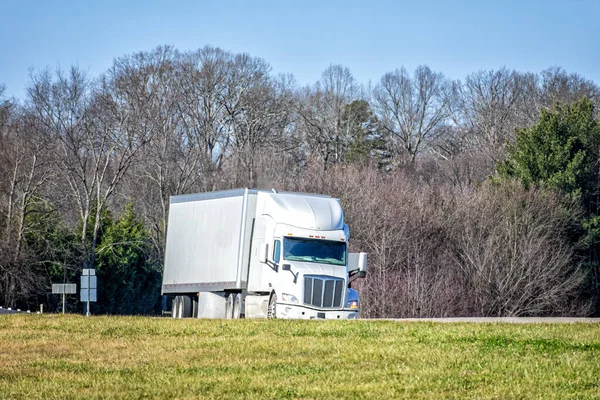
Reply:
x=362, y=262
x=288, y=267
x=357, y=265
x=264, y=253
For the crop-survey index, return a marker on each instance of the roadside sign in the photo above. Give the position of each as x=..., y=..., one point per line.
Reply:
x=64, y=288
x=89, y=286
x=89, y=282
x=89, y=294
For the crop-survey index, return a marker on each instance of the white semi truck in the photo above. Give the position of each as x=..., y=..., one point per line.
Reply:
x=260, y=254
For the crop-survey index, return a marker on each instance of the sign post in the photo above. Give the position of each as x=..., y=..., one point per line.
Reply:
x=64, y=289
x=88, y=288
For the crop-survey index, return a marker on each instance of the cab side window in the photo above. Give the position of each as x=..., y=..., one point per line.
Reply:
x=276, y=250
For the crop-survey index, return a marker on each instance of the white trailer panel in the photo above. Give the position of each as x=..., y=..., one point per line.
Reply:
x=208, y=239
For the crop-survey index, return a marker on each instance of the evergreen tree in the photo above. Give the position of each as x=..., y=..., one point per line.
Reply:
x=128, y=280
x=561, y=152
x=363, y=140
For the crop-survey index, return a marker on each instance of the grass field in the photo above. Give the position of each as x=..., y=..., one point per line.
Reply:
x=72, y=357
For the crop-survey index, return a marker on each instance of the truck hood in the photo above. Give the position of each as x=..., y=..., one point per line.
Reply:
x=309, y=268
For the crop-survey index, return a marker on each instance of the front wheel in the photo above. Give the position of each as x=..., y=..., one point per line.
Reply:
x=272, y=309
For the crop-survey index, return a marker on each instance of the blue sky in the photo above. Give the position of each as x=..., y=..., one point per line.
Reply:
x=371, y=37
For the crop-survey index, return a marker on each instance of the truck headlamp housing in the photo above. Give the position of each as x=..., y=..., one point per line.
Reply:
x=352, y=304
x=289, y=298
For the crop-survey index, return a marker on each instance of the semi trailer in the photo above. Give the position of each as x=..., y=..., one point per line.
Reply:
x=249, y=253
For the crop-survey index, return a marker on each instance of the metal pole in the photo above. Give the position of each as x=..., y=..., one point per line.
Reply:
x=63, y=301
x=87, y=314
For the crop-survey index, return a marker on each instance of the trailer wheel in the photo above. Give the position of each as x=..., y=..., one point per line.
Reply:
x=229, y=306
x=237, y=306
x=272, y=310
x=195, y=300
x=186, y=307
x=175, y=309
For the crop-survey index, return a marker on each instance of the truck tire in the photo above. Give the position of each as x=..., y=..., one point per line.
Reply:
x=186, y=307
x=195, y=299
x=237, y=306
x=272, y=309
x=175, y=307
x=229, y=306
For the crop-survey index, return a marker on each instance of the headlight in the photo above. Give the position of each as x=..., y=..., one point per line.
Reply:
x=289, y=298
x=352, y=304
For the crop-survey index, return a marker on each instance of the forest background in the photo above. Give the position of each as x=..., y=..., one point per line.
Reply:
x=473, y=197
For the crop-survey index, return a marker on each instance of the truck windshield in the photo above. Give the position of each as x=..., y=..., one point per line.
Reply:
x=317, y=251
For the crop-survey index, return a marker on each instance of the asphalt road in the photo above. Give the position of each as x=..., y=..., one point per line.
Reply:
x=7, y=311
x=510, y=320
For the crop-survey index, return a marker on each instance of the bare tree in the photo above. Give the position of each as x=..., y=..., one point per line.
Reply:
x=147, y=84
x=262, y=126
x=558, y=86
x=320, y=111
x=404, y=229
x=95, y=139
x=493, y=104
x=485, y=110
x=446, y=251
x=5, y=107
x=490, y=104
x=24, y=156
x=513, y=250
x=29, y=161
x=412, y=110
x=206, y=102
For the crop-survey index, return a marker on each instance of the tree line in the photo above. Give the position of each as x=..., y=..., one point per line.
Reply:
x=473, y=197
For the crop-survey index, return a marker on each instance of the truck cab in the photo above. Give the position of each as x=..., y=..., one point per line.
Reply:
x=303, y=261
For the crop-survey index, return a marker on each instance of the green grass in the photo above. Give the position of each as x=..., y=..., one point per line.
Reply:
x=72, y=357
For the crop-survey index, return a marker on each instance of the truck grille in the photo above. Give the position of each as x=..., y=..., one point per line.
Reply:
x=323, y=292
